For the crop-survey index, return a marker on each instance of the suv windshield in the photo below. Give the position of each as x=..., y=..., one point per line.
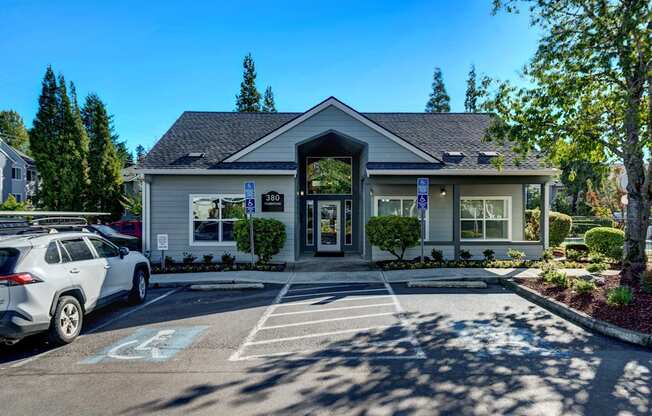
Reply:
x=8, y=260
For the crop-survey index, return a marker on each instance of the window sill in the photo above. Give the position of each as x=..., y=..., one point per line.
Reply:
x=213, y=243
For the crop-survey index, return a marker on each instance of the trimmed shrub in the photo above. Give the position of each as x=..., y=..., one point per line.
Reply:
x=393, y=234
x=465, y=254
x=559, y=227
x=596, y=267
x=583, y=286
x=437, y=255
x=606, y=241
x=208, y=258
x=188, y=257
x=269, y=237
x=489, y=254
x=620, y=296
x=581, y=247
x=228, y=259
x=583, y=224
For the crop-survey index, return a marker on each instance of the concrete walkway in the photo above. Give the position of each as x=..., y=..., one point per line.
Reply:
x=394, y=276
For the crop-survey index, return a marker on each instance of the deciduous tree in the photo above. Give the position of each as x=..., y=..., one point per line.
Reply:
x=13, y=132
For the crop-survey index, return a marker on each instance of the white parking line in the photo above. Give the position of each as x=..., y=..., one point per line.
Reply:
x=404, y=322
x=320, y=334
x=296, y=356
x=319, y=321
x=336, y=292
x=332, y=309
x=314, y=302
x=303, y=289
x=97, y=328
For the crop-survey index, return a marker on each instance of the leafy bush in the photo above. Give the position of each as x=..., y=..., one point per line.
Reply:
x=228, y=259
x=547, y=255
x=437, y=255
x=551, y=275
x=620, y=296
x=559, y=227
x=269, y=237
x=583, y=224
x=489, y=254
x=393, y=234
x=188, y=257
x=465, y=254
x=574, y=255
x=208, y=258
x=596, y=267
x=516, y=255
x=606, y=241
x=583, y=286
x=597, y=258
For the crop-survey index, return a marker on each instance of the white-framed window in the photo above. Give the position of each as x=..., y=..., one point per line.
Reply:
x=213, y=217
x=16, y=173
x=485, y=218
x=402, y=206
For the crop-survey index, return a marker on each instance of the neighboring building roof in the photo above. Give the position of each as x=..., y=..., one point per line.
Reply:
x=219, y=135
x=26, y=158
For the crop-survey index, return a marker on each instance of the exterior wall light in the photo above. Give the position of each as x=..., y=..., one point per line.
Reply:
x=301, y=193
x=442, y=191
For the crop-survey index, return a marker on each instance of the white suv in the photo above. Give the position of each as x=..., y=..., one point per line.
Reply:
x=48, y=282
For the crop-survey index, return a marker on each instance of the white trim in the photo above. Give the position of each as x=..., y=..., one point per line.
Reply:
x=286, y=172
x=334, y=102
x=546, y=217
x=463, y=172
x=219, y=221
x=508, y=218
x=402, y=197
x=146, y=214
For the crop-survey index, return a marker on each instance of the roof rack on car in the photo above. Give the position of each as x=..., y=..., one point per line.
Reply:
x=43, y=222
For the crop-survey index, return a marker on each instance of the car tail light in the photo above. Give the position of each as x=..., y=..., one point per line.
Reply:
x=19, y=279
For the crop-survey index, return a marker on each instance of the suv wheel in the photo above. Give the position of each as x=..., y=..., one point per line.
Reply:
x=67, y=321
x=138, y=292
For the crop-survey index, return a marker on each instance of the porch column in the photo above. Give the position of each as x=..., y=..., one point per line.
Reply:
x=545, y=210
x=146, y=225
x=456, y=220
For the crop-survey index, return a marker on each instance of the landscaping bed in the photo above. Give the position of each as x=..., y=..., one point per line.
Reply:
x=636, y=316
x=215, y=267
x=415, y=264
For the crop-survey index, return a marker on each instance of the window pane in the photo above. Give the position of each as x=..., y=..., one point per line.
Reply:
x=348, y=222
x=471, y=208
x=104, y=249
x=332, y=175
x=410, y=208
x=389, y=207
x=310, y=214
x=206, y=230
x=495, y=208
x=52, y=253
x=204, y=208
x=77, y=249
x=227, y=230
x=471, y=229
x=233, y=208
x=497, y=229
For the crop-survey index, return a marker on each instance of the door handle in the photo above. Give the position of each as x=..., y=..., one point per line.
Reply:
x=74, y=271
x=107, y=267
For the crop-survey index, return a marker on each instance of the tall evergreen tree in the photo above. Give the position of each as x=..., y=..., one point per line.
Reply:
x=73, y=148
x=248, y=101
x=13, y=132
x=44, y=140
x=124, y=155
x=140, y=153
x=439, y=101
x=268, y=101
x=471, y=99
x=105, y=192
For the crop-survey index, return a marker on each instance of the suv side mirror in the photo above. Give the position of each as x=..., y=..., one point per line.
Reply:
x=123, y=252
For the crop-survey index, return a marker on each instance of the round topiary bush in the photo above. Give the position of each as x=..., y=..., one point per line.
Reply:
x=269, y=237
x=559, y=226
x=393, y=234
x=606, y=241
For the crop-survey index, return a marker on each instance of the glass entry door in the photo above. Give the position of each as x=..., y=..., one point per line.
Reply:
x=328, y=229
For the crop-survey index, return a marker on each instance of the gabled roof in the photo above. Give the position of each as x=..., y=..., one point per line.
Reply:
x=225, y=136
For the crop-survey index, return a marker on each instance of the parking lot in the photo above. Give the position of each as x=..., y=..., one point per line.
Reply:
x=359, y=348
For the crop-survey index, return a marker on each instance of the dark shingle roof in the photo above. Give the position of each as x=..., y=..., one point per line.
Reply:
x=220, y=134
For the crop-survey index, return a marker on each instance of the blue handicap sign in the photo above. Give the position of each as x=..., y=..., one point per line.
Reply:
x=149, y=345
x=250, y=197
x=422, y=193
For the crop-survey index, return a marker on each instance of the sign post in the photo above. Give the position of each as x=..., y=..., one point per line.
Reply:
x=162, y=245
x=250, y=209
x=422, y=206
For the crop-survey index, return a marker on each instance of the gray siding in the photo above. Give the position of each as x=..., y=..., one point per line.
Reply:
x=282, y=148
x=170, y=214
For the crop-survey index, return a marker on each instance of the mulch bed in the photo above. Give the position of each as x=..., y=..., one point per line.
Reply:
x=215, y=267
x=637, y=316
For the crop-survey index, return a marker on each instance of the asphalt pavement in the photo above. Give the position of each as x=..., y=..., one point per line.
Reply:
x=334, y=349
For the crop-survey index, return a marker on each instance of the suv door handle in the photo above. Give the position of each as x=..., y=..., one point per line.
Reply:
x=74, y=271
x=106, y=266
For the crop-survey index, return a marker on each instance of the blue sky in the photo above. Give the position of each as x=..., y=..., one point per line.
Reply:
x=149, y=61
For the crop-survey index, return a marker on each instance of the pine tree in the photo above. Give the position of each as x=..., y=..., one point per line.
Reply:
x=44, y=140
x=105, y=191
x=439, y=101
x=140, y=154
x=268, y=101
x=13, y=132
x=124, y=155
x=471, y=99
x=248, y=101
x=73, y=147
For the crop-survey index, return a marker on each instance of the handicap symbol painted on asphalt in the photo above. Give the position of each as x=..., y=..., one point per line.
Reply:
x=148, y=344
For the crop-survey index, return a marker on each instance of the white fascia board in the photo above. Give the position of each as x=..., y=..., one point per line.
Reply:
x=226, y=172
x=462, y=172
x=340, y=106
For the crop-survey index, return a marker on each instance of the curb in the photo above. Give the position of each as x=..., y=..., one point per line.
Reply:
x=580, y=318
x=226, y=286
x=470, y=284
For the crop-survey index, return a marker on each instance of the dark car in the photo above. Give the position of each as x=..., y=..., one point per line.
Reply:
x=130, y=227
x=120, y=240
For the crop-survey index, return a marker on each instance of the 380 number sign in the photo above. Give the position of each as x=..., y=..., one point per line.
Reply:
x=273, y=202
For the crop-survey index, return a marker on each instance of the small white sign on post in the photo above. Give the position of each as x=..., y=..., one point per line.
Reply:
x=162, y=241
